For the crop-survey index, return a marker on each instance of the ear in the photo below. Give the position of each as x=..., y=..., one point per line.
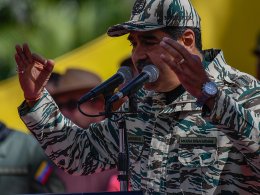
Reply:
x=188, y=40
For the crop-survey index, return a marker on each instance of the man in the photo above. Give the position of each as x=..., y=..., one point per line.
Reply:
x=197, y=128
x=70, y=86
x=24, y=168
x=53, y=82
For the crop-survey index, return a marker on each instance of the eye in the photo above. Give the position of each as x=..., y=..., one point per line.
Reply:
x=149, y=42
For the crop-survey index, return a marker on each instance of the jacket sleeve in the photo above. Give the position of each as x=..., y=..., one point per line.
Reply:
x=76, y=150
x=239, y=117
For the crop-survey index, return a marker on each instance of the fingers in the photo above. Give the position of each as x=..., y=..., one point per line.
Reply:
x=20, y=67
x=177, y=47
x=177, y=57
x=184, y=64
x=173, y=65
x=20, y=57
x=47, y=64
x=39, y=59
x=27, y=53
x=172, y=57
x=180, y=54
x=26, y=60
x=20, y=60
x=23, y=57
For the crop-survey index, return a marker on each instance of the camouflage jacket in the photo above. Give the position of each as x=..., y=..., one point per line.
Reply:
x=178, y=148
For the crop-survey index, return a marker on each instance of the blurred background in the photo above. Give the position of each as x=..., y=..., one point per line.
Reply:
x=73, y=32
x=54, y=27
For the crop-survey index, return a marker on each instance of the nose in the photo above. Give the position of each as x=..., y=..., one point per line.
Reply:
x=139, y=57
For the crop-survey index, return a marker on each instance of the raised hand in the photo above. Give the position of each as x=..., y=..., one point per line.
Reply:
x=33, y=72
x=188, y=67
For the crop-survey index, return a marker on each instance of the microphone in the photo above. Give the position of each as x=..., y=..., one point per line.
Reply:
x=150, y=73
x=124, y=74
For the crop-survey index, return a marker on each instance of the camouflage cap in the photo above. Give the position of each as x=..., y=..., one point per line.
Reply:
x=154, y=14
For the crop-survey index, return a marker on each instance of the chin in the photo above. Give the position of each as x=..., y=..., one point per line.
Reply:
x=151, y=87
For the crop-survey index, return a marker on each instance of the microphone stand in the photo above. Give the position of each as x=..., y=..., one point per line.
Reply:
x=123, y=157
x=108, y=107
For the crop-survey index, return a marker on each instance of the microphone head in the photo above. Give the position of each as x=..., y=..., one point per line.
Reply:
x=126, y=72
x=152, y=71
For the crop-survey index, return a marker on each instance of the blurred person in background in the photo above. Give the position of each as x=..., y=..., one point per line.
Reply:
x=66, y=89
x=24, y=168
x=71, y=85
x=53, y=82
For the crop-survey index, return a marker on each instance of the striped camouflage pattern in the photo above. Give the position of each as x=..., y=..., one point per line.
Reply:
x=174, y=149
x=154, y=14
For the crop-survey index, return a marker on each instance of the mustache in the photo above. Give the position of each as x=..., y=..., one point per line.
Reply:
x=141, y=64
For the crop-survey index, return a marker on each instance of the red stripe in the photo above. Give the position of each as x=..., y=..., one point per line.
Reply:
x=46, y=175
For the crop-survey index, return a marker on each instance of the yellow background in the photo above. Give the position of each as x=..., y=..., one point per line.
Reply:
x=231, y=25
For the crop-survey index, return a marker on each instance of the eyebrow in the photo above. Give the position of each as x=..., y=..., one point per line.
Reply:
x=148, y=36
x=145, y=36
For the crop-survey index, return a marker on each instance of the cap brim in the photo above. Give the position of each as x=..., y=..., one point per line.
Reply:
x=71, y=91
x=124, y=28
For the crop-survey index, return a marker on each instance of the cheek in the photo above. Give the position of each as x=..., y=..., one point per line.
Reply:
x=94, y=107
x=155, y=54
x=71, y=114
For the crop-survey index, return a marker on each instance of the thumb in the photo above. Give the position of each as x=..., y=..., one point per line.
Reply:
x=49, y=65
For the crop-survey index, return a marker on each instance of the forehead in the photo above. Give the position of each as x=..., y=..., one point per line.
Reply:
x=154, y=34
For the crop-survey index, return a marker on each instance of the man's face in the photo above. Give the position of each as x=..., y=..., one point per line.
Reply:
x=147, y=50
x=68, y=106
